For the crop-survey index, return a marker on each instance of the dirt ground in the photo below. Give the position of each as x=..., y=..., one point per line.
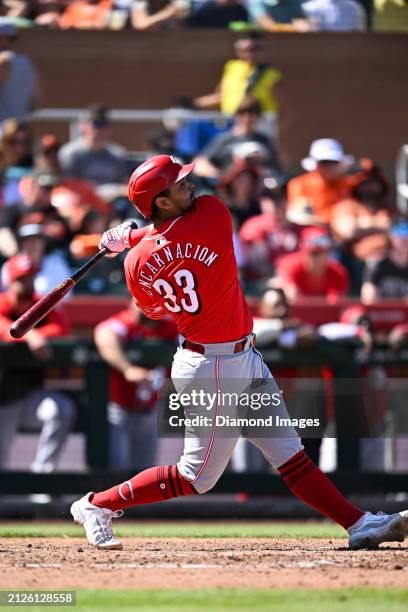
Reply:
x=193, y=563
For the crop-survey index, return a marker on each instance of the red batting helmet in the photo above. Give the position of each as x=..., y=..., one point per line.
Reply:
x=151, y=178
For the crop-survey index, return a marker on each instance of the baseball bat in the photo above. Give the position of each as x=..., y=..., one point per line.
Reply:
x=43, y=306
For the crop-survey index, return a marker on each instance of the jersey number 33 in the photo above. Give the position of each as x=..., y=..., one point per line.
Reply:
x=189, y=301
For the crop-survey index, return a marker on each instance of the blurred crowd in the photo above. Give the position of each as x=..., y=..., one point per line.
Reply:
x=269, y=15
x=329, y=230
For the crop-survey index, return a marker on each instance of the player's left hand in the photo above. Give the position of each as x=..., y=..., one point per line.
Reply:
x=116, y=239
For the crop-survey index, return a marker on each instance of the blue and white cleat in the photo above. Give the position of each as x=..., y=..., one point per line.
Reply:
x=97, y=523
x=373, y=529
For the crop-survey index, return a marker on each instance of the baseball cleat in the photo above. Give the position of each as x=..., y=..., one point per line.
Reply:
x=97, y=523
x=372, y=529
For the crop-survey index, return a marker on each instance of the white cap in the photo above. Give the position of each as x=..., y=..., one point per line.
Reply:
x=325, y=149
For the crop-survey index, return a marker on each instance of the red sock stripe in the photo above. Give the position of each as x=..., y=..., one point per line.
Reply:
x=303, y=471
x=293, y=462
x=313, y=487
x=185, y=487
x=295, y=469
x=171, y=482
x=176, y=481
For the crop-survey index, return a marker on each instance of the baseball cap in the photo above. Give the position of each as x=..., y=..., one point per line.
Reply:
x=31, y=229
x=98, y=115
x=314, y=239
x=19, y=266
x=325, y=149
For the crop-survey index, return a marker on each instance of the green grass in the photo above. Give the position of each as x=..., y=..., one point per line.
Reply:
x=261, y=600
x=233, y=529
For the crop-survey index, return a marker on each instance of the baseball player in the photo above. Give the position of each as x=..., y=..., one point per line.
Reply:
x=185, y=267
x=132, y=389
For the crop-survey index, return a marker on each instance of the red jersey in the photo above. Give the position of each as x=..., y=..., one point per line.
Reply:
x=55, y=324
x=334, y=283
x=125, y=325
x=186, y=268
x=264, y=241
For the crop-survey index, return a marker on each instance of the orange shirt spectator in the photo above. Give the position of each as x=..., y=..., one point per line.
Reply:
x=87, y=14
x=324, y=183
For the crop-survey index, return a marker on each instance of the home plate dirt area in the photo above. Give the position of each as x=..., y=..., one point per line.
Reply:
x=185, y=563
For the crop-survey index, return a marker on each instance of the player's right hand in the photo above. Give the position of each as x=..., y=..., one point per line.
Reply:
x=116, y=239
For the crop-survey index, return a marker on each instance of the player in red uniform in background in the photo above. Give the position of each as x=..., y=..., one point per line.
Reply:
x=132, y=388
x=311, y=271
x=185, y=266
x=23, y=398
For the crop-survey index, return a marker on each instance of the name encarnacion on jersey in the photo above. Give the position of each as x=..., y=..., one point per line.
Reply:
x=171, y=252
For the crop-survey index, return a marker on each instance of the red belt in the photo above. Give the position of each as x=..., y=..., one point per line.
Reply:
x=199, y=348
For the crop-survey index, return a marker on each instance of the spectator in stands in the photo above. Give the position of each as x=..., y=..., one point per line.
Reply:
x=280, y=15
x=23, y=399
x=41, y=12
x=366, y=209
x=87, y=14
x=268, y=236
x=85, y=242
x=359, y=406
x=35, y=208
x=217, y=14
x=248, y=74
x=19, y=87
x=17, y=154
x=239, y=186
x=73, y=199
x=335, y=15
x=51, y=265
x=184, y=135
x=148, y=15
x=311, y=271
x=388, y=278
x=275, y=326
x=242, y=141
x=132, y=388
x=92, y=156
x=324, y=183
x=46, y=154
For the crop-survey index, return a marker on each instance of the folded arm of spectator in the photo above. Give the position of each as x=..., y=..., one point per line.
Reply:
x=109, y=345
x=141, y=20
x=17, y=8
x=203, y=167
x=211, y=100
